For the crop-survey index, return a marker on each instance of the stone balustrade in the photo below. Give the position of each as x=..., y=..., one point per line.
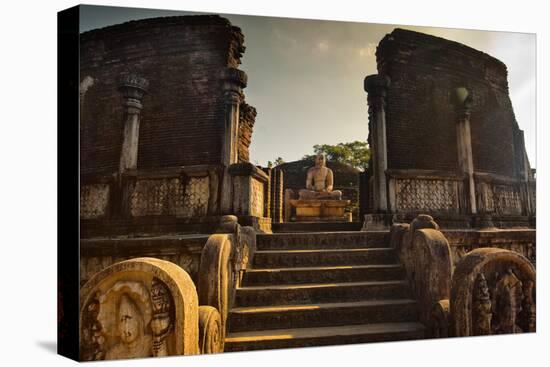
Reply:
x=486, y=290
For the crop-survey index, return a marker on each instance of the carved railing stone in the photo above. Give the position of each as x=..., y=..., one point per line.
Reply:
x=210, y=331
x=215, y=275
x=425, y=254
x=138, y=308
x=439, y=320
x=224, y=259
x=493, y=292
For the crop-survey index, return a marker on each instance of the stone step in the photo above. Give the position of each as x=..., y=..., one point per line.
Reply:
x=334, y=335
x=320, y=293
x=322, y=240
x=293, y=227
x=323, y=274
x=326, y=257
x=322, y=314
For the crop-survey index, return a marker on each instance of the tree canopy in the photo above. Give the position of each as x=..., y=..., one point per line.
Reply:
x=277, y=162
x=356, y=153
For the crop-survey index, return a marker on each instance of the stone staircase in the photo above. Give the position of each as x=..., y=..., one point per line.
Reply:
x=322, y=288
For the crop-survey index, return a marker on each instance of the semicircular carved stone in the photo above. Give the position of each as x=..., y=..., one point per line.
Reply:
x=493, y=292
x=215, y=275
x=137, y=308
x=210, y=331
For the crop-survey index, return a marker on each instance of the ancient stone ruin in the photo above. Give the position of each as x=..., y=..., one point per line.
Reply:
x=444, y=137
x=186, y=247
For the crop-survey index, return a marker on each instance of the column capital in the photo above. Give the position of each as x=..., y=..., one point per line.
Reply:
x=377, y=84
x=133, y=88
x=462, y=102
x=234, y=80
x=234, y=77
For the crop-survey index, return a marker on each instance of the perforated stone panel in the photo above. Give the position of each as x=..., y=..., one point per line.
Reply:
x=257, y=198
x=426, y=194
x=94, y=199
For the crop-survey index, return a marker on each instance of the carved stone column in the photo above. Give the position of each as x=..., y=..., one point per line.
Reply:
x=132, y=88
x=376, y=87
x=234, y=80
x=463, y=103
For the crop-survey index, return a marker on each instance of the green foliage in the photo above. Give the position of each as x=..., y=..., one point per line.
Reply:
x=356, y=153
x=277, y=162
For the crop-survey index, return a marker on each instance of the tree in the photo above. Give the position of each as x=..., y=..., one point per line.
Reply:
x=356, y=153
x=277, y=162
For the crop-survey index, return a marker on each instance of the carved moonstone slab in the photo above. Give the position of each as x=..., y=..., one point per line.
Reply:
x=138, y=308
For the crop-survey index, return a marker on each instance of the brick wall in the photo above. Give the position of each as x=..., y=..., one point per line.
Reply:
x=246, y=126
x=182, y=116
x=421, y=132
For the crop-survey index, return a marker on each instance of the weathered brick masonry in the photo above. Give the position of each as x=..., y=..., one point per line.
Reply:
x=183, y=111
x=421, y=132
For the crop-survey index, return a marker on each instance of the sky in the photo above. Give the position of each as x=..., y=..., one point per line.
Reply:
x=305, y=77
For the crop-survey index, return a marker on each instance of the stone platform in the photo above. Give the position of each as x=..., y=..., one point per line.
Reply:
x=321, y=210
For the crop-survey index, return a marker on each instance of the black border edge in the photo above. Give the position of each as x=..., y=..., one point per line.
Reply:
x=68, y=174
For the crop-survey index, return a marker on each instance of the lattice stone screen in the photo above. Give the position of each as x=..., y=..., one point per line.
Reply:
x=94, y=199
x=168, y=196
x=195, y=202
x=505, y=199
x=257, y=198
x=426, y=194
x=157, y=197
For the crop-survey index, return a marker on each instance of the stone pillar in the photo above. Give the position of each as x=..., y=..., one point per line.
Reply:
x=277, y=195
x=132, y=88
x=234, y=80
x=463, y=103
x=376, y=87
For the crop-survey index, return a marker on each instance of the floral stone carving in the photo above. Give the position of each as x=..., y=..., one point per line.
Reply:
x=493, y=292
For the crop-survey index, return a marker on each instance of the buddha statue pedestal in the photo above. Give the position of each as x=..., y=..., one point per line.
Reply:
x=316, y=210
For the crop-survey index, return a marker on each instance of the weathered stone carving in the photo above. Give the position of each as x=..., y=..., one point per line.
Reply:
x=195, y=200
x=423, y=221
x=215, y=275
x=94, y=200
x=376, y=87
x=482, y=307
x=257, y=198
x=490, y=289
x=129, y=325
x=138, y=308
x=157, y=197
x=92, y=337
x=425, y=253
x=211, y=333
x=318, y=201
x=319, y=182
x=528, y=319
x=439, y=320
x=133, y=88
x=507, y=298
x=423, y=194
x=161, y=323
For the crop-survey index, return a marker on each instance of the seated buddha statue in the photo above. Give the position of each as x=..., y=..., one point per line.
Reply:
x=319, y=182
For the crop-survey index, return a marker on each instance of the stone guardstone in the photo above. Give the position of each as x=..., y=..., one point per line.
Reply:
x=138, y=308
x=321, y=210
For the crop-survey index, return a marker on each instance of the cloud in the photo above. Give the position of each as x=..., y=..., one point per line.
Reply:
x=367, y=51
